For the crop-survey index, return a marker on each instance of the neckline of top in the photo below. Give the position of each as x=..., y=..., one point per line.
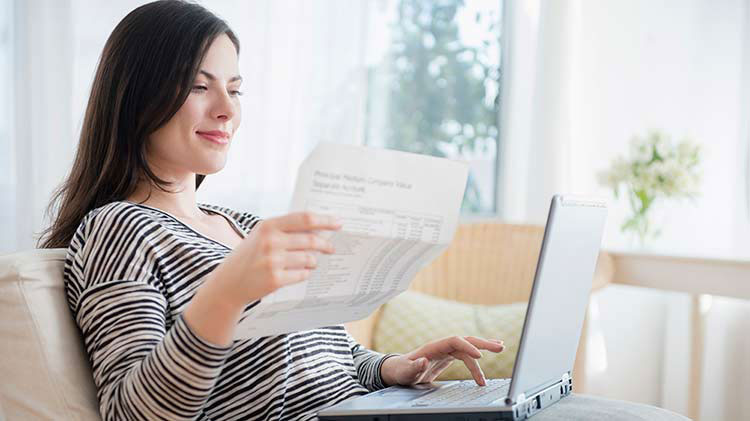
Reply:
x=229, y=219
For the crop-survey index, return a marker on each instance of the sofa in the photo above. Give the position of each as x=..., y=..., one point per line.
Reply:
x=45, y=371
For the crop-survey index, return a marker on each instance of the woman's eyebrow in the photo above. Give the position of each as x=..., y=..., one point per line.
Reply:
x=212, y=77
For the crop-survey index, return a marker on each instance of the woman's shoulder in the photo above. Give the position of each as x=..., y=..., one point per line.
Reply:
x=115, y=216
x=245, y=219
x=104, y=226
x=119, y=207
x=114, y=241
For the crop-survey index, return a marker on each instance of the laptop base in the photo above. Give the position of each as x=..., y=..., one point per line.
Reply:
x=525, y=408
x=482, y=416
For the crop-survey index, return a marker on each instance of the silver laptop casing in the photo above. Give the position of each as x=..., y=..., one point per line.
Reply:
x=551, y=330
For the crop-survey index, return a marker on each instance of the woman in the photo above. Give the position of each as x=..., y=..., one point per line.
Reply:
x=157, y=283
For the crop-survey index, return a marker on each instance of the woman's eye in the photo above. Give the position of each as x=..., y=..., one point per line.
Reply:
x=205, y=88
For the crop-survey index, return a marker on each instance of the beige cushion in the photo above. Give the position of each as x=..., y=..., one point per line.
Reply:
x=44, y=371
x=413, y=319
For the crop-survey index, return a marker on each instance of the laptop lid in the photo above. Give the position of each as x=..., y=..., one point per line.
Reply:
x=560, y=293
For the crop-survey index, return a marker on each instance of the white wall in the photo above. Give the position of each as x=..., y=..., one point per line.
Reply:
x=580, y=85
x=676, y=66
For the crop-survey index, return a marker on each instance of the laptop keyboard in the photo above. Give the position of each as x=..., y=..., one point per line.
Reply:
x=465, y=393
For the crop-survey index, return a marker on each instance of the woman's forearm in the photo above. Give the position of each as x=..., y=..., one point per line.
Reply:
x=214, y=311
x=277, y=253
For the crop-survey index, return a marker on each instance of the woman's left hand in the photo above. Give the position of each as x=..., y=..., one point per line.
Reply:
x=425, y=363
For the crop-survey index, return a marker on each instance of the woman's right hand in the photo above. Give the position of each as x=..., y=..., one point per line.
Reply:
x=278, y=252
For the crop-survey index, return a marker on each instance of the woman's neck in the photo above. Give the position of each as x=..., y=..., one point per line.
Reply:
x=179, y=201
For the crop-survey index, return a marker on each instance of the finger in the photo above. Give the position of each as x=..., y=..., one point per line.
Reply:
x=473, y=366
x=488, y=344
x=460, y=344
x=306, y=221
x=300, y=260
x=307, y=242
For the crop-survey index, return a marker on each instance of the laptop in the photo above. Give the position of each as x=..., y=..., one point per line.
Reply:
x=549, y=340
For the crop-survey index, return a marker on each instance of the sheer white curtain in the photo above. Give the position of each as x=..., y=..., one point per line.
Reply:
x=304, y=81
x=40, y=137
x=7, y=167
x=583, y=77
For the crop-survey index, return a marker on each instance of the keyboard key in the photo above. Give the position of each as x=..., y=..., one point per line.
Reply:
x=464, y=393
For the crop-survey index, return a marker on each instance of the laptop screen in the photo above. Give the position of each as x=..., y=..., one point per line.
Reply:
x=560, y=293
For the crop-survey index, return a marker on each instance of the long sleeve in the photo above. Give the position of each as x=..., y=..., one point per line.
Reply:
x=143, y=367
x=143, y=370
x=368, y=364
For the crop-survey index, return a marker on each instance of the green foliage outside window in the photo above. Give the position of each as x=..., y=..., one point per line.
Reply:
x=443, y=94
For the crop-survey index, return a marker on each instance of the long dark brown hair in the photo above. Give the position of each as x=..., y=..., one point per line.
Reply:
x=145, y=74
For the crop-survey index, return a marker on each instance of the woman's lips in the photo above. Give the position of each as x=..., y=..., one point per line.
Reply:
x=215, y=137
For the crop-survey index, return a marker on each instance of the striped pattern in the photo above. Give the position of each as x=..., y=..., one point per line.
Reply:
x=129, y=273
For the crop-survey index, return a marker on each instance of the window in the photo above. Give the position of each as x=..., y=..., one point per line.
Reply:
x=436, y=89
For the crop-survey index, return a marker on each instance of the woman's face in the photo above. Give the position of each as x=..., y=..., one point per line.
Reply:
x=196, y=139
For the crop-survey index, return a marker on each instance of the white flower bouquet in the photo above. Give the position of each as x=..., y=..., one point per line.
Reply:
x=655, y=169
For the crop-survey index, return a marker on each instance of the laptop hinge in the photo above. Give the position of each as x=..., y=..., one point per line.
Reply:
x=565, y=383
x=524, y=406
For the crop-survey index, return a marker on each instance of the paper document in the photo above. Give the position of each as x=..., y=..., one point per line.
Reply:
x=399, y=211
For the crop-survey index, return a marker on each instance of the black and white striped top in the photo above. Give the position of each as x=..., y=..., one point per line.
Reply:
x=129, y=273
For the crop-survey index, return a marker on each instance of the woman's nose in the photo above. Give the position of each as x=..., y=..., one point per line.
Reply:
x=224, y=109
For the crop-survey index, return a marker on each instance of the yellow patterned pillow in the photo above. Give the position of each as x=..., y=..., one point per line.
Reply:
x=413, y=319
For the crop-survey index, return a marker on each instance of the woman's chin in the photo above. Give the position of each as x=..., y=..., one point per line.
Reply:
x=211, y=168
